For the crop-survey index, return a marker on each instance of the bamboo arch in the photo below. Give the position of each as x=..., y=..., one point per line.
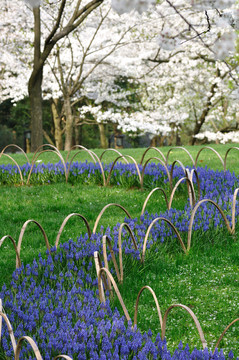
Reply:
x=223, y=333
x=98, y=266
x=18, y=167
x=191, y=192
x=64, y=224
x=115, y=161
x=190, y=174
x=146, y=287
x=103, y=210
x=23, y=231
x=92, y=155
x=172, y=168
x=226, y=155
x=38, y=152
x=19, y=148
x=18, y=260
x=215, y=152
x=105, y=240
x=149, y=196
x=145, y=164
x=182, y=148
x=32, y=344
x=163, y=321
x=101, y=290
x=9, y=328
x=81, y=147
x=149, y=229
x=234, y=210
x=152, y=148
x=114, y=150
x=191, y=313
x=193, y=215
x=17, y=346
x=95, y=158
x=128, y=228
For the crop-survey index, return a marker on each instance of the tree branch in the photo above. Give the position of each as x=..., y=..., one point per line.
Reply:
x=58, y=20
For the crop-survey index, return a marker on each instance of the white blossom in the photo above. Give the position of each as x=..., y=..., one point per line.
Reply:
x=33, y=3
x=126, y=6
x=166, y=40
x=223, y=138
x=212, y=4
x=225, y=45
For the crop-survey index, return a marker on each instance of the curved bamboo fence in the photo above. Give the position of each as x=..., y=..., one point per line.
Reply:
x=162, y=320
x=231, y=229
x=98, y=160
x=105, y=279
x=16, y=346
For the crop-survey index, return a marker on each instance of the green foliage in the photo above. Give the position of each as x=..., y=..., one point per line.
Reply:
x=16, y=119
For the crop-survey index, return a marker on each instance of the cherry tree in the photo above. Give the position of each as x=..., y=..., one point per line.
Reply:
x=59, y=19
x=177, y=40
x=87, y=55
x=186, y=81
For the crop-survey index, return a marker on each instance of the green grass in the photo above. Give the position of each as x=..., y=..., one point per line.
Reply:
x=206, y=280
x=50, y=204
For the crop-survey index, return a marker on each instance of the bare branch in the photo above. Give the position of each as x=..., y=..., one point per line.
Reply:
x=58, y=20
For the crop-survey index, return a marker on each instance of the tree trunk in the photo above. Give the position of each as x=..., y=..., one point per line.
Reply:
x=35, y=95
x=76, y=134
x=161, y=140
x=57, y=33
x=57, y=125
x=198, y=126
x=153, y=141
x=34, y=87
x=178, y=138
x=171, y=138
x=69, y=124
x=199, y=123
x=103, y=138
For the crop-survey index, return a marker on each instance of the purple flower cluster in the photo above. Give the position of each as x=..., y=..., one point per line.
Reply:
x=122, y=174
x=54, y=300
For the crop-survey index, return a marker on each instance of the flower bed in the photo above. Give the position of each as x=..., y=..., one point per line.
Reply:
x=55, y=299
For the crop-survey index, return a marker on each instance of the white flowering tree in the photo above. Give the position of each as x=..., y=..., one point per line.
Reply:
x=52, y=22
x=80, y=63
x=177, y=51
x=189, y=81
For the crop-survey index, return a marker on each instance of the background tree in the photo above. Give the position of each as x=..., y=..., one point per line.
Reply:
x=175, y=61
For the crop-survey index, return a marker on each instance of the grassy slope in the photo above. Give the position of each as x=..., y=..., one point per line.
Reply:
x=206, y=280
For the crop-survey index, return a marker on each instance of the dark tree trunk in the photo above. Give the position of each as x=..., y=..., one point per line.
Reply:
x=34, y=86
x=57, y=125
x=35, y=95
x=35, y=82
x=69, y=124
x=103, y=138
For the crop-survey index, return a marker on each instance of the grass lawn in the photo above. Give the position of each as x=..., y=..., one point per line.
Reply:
x=206, y=280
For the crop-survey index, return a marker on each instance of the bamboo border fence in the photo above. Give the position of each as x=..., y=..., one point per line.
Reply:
x=105, y=278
